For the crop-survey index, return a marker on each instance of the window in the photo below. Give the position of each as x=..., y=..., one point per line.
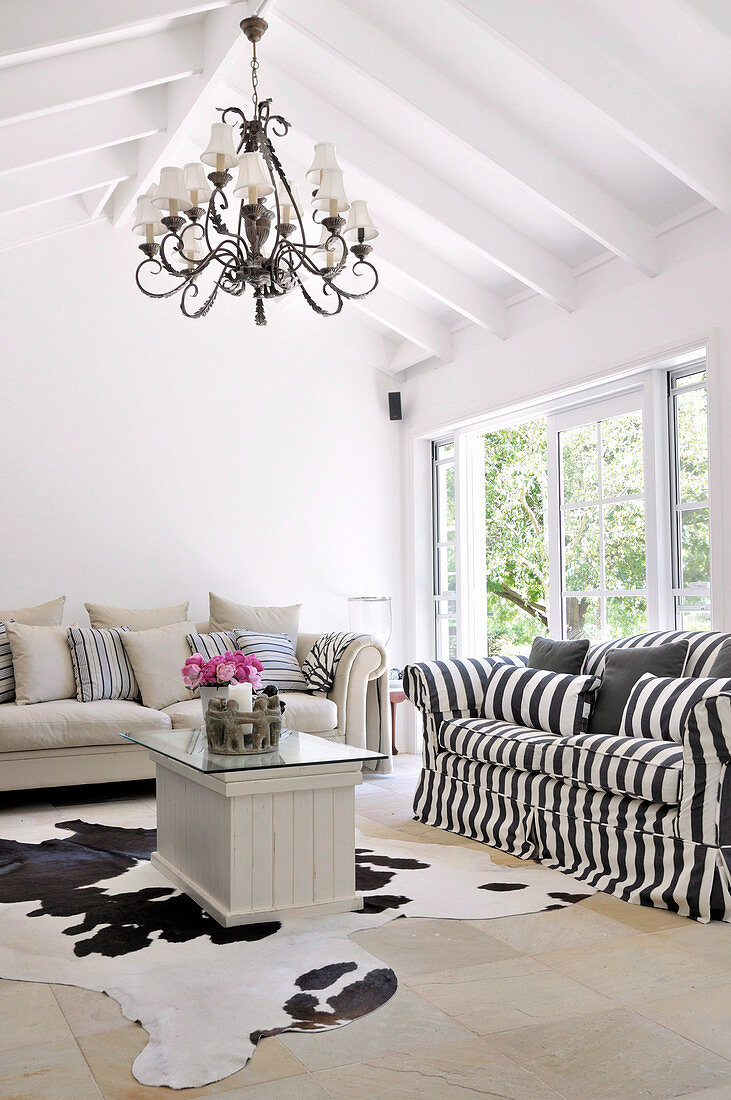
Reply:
x=445, y=549
x=690, y=516
x=590, y=519
x=602, y=525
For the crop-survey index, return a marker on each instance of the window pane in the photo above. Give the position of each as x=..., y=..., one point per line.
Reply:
x=581, y=549
x=694, y=613
x=689, y=379
x=695, y=547
x=516, y=557
x=692, y=446
x=624, y=545
x=446, y=569
x=445, y=503
x=580, y=463
x=626, y=615
x=446, y=628
x=583, y=617
x=622, y=456
x=445, y=450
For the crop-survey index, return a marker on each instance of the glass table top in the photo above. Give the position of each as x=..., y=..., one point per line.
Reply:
x=295, y=750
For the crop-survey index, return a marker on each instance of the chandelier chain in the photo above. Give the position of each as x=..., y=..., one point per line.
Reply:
x=255, y=77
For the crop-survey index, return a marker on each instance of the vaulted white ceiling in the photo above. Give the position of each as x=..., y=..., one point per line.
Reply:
x=504, y=147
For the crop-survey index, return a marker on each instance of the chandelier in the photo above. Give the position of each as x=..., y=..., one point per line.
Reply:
x=208, y=246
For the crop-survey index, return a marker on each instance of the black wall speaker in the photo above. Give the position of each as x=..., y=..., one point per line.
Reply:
x=394, y=406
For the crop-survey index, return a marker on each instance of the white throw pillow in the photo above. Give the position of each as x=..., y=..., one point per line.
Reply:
x=41, y=663
x=142, y=618
x=227, y=615
x=44, y=614
x=157, y=657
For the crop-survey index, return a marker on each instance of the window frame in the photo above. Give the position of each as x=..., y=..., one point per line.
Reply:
x=438, y=544
x=676, y=506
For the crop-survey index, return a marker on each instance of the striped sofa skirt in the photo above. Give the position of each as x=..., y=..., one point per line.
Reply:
x=614, y=843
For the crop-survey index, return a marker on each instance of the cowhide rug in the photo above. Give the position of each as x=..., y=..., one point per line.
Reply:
x=80, y=904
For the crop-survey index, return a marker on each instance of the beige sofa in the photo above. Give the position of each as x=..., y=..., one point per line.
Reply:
x=65, y=742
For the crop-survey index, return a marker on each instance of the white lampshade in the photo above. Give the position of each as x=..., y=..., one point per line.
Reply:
x=196, y=183
x=220, y=144
x=371, y=615
x=148, y=215
x=171, y=189
x=285, y=202
x=359, y=219
x=331, y=190
x=252, y=177
x=324, y=158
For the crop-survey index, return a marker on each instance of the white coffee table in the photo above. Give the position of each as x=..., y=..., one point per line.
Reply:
x=252, y=838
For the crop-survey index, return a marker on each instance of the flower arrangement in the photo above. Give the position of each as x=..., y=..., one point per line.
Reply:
x=229, y=668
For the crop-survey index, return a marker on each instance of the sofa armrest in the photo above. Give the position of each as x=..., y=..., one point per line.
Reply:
x=705, y=796
x=363, y=661
x=360, y=692
x=454, y=689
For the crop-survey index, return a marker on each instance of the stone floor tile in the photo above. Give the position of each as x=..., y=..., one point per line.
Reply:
x=491, y=1004
x=514, y=967
x=642, y=918
x=711, y=941
x=420, y=945
x=533, y=933
x=110, y=1055
x=703, y=1017
x=639, y=968
x=405, y=1023
x=87, y=1011
x=453, y=1071
x=54, y=1070
x=614, y=1055
x=302, y=1087
x=30, y=1015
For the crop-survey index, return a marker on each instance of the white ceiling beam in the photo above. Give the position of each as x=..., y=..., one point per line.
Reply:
x=715, y=13
x=367, y=50
x=33, y=29
x=102, y=72
x=96, y=200
x=82, y=129
x=477, y=227
x=410, y=323
x=445, y=283
x=222, y=42
x=18, y=228
x=666, y=130
x=71, y=176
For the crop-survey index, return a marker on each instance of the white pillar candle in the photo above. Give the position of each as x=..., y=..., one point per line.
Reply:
x=244, y=696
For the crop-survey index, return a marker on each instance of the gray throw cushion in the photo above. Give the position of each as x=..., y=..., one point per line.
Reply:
x=558, y=656
x=722, y=665
x=622, y=670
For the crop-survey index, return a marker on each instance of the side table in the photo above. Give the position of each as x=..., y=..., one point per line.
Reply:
x=397, y=695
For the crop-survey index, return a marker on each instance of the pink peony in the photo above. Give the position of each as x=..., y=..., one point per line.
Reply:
x=191, y=672
x=226, y=672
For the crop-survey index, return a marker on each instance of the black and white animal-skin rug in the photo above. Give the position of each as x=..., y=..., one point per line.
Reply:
x=81, y=904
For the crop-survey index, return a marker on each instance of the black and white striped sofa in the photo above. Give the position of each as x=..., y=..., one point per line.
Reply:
x=644, y=819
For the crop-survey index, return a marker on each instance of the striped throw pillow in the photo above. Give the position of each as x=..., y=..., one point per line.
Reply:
x=212, y=645
x=276, y=653
x=7, y=675
x=659, y=706
x=101, y=667
x=552, y=701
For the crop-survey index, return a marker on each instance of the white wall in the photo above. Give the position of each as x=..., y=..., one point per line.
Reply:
x=624, y=318
x=146, y=458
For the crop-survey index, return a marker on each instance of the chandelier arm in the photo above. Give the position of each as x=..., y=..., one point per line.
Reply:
x=192, y=290
x=351, y=294
x=317, y=308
